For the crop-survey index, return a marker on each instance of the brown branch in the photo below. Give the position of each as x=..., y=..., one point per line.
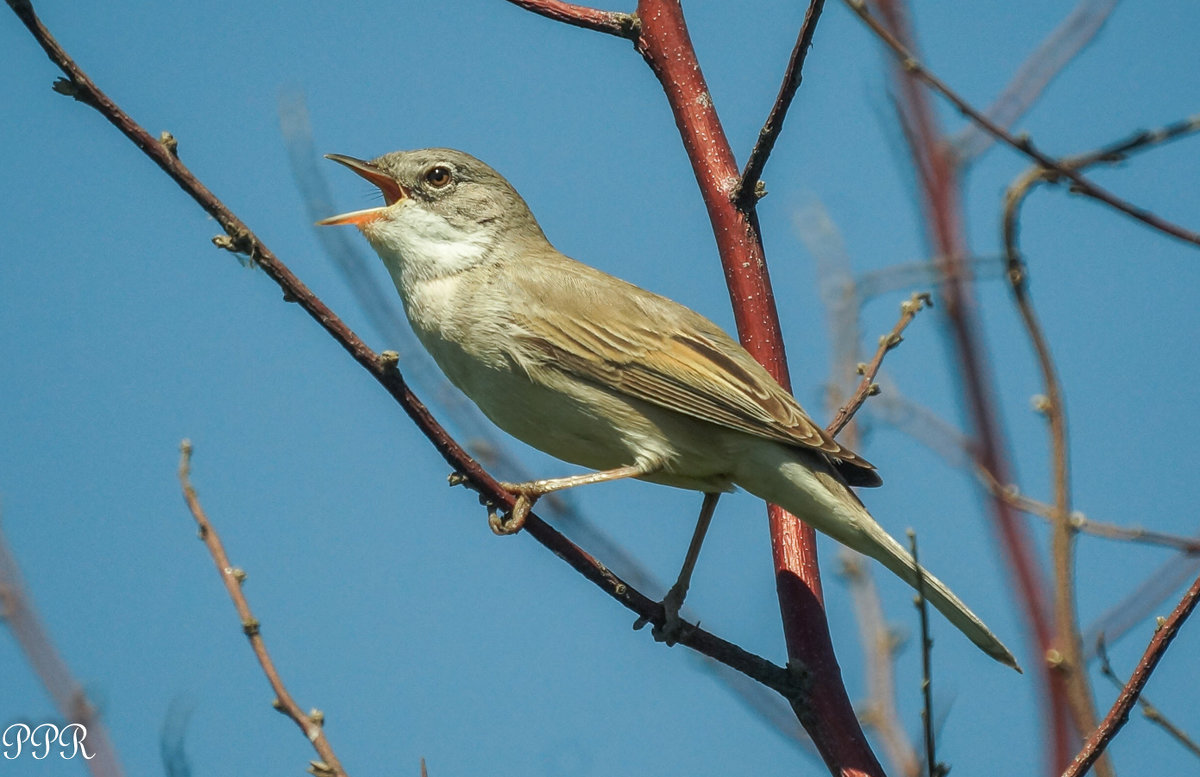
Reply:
x=880, y=644
x=383, y=368
x=1118, y=715
x=941, y=202
x=1066, y=656
x=623, y=25
x=1110, y=531
x=312, y=723
x=867, y=386
x=747, y=192
x=1023, y=144
x=1071, y=36
x=73, y=704
x=1149, y=711
x=933, y=767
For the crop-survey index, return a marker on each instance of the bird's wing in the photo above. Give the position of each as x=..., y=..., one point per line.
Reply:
x=651, y=348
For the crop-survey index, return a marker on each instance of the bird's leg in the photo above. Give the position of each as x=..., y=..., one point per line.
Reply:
x=672, y=626
x=530, y=491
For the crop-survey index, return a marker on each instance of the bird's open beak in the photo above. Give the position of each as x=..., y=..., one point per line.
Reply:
x=393, y=192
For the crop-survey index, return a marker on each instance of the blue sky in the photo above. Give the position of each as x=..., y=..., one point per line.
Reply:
x=383, y=596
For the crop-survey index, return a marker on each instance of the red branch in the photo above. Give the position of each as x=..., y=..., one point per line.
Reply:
x=623, y=25
x=241, y=240
x=941, y=194
x=666, y=46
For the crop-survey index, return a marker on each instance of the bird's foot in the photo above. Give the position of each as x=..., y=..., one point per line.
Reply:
x=672, y=627
x=515, y=519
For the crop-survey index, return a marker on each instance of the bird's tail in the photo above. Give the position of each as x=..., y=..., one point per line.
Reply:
x=808, y=488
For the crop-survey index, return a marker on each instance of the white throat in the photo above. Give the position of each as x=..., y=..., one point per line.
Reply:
x=418, y=245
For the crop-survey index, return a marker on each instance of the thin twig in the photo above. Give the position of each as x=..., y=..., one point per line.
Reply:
x=747, y=192
x=940, y=188
x=1021, y=143
x=70, y=699
x=1149, y=711
x=1118, y=715
x=1060, y=47
x=1081, y=523
x=1067, y=655
x=312, y=723
x=867, y=386
x=1157, y=586
x=933, y=767
x=383, y=368
x=841, y=295
x=880, y=645
x=623, y=25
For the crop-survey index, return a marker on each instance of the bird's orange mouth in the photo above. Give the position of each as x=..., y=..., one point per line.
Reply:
x=393, y=192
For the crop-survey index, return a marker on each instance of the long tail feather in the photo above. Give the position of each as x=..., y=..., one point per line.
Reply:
x=808, y=488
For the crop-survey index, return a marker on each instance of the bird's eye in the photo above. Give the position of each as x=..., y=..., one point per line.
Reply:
x=438, y=176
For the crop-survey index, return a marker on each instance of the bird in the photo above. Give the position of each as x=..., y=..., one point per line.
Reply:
x=603, y=374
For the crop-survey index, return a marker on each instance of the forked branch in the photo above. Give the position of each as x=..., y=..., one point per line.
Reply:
x=239, y=238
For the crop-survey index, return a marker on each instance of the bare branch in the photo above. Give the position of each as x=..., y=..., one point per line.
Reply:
x=1118, y=715
x=880, y=644
x=1059, y=48
x=1111, y=531
x=1022, y=144
x=17, y=612
x=747, y=192
x=623, y=25
x=312, y=723
x=933, y=767
x=1149, y=711
x=1066, y=656
x=383, y=368
x=841, y=296
x=867, y=386
x=1123, y=615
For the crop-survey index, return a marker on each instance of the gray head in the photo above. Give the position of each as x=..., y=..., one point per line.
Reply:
x=444, y=211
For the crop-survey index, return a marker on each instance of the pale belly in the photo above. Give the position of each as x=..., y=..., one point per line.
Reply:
x=593, y=427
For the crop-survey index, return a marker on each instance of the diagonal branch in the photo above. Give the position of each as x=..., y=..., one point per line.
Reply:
x=1069, y=38
x=623, y=25
x=382, y=367
x=1021, y=143
x=867, y=386
x=312, y=724
x=1118, y=715
x=18, y=614
x=747, y=191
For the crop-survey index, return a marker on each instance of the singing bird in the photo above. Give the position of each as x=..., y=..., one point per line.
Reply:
x=603, y=374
